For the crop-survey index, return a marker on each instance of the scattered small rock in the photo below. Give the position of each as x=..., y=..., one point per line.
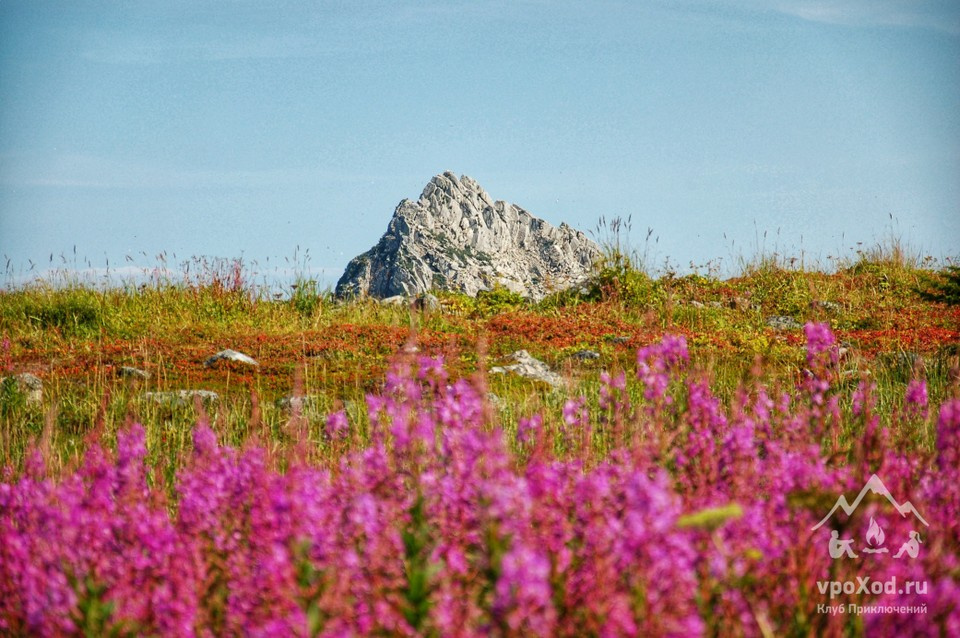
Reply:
x=780, y=322
x=715, y=304
x=230, y=355
x=531, y=368
x=29, y=385
x=829, y=306
x=129, y=372
x=496, y=401
x=586, y=355
x=396, y=300
x=426, y=303
x=617, y=340
x=181, y=397
x=696, y=304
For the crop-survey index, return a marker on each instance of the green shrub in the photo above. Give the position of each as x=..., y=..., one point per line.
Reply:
x=12, y=398
x=618, y=279
x=944, y=288
x=621, y=272
x=306, y=298
x=889, y=267
x=75, y=312
x=779, y=291
x=497, y=300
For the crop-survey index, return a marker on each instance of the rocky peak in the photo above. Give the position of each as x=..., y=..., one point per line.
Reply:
x=447, y=198
x=447, y=187
x=457, y=237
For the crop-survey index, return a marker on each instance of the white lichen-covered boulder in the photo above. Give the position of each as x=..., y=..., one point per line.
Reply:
x=230, y=355
x=526, y=365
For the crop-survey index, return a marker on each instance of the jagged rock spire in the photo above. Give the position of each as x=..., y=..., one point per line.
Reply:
x=456, y=237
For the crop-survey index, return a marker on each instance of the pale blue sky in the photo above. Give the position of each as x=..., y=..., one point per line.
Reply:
x=239, y=128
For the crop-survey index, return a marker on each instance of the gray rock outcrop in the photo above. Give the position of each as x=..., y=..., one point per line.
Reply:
x=530, y=367
x=455, y=237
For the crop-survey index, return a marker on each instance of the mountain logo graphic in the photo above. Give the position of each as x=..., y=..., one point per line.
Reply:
x=876, y=486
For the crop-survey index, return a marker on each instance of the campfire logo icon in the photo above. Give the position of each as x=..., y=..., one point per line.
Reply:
x=875, y=537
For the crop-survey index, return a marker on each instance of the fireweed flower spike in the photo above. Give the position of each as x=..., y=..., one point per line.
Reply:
x=916, y=400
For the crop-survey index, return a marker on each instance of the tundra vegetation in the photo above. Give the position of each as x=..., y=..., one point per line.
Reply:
x=670, y=488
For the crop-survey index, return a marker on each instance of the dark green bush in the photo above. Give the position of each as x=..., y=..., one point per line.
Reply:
x=74, y=312
x=943, y=289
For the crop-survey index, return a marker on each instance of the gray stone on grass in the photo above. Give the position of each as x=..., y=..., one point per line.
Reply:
x=181, y=397
x=743, y=304
x=586, y=355
x=129, y=372
x=831, y=307
x=455, y=237
x=230, y=355
x=783, y=323
x=426, y=303
x=529, y=367
x=305, y=403
x=29, y=385
x=496, y=401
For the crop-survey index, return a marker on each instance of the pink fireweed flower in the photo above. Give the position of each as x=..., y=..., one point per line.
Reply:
x=698, y=455
x=204, y=442
x=917, y=393
x=864, y=398
x=821, y=372
x=527, y=429
x=948, y=436
x=739, y=465
x=432, y=370
x=612, y=391
x=655, y=363
x=576, y=420
x=337, y=426
x=916, y=399
x=820, y=340
x=523, y=594
x=575, y=411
